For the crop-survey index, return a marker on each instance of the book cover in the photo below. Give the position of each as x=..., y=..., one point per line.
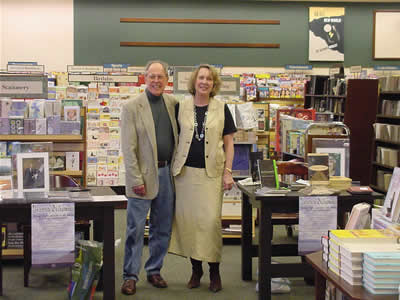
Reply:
x=72, y=113
x=380, y=291
x=267, y=173
x=360, y=236
x=4, y=126
x=382, y=258
x=5, y=107
x=358, y=216
x=36, y=109
x=360, y=190
x=70, y=127
x=41, y=126
x=72, y=161
x=318, y=168
x=53, y=125
x=30, y=126
x=254, y=158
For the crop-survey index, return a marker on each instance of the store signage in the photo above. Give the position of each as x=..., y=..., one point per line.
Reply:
x=85, y=69
x=355, y=69
x=136, y=69
x=230, y=86
x=298, y=67
x=29, y=63
x=25, y=68
x=102, y=78
x=18, y=86
x=387, y=68
x=116, y=67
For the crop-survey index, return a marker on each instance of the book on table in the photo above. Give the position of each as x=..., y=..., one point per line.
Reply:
x=366, y=236
x=359, y=216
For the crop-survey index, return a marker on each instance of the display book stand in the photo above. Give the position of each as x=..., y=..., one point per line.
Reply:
x=386, y=144
x=76, y=143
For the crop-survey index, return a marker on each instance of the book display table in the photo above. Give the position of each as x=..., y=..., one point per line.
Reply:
x=265, y=250
x=322, y=273
x=100, y=211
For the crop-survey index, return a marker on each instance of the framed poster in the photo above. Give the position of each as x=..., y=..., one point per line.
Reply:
x=386, y=34
x=326, y=34
x=181, y=79
x=337, y=160
x=33, y=172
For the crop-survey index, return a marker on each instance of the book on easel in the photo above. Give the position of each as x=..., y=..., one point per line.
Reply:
x=268, y=173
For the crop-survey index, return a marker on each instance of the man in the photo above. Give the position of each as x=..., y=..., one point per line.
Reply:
x=148, y=137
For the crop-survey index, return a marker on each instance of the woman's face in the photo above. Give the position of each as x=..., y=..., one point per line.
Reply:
x=204, y=82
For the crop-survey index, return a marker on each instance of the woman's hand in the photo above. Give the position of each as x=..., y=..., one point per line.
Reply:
x=228, y=180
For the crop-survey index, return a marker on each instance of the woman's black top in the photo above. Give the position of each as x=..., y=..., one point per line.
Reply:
x=196, y=155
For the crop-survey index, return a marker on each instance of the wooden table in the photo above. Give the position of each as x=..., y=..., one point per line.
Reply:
x=101, y=212
x=353, y=292
x=265, y=250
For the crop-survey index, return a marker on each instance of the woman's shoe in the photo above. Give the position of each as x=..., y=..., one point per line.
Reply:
x=194, y=281
x=215, y=283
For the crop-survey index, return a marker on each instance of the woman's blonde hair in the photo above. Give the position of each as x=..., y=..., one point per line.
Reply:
x=214, y=75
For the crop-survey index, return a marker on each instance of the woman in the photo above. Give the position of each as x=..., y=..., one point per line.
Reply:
x=202, y=169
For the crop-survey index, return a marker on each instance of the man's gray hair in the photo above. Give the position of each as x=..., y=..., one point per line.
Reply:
x=164, y=64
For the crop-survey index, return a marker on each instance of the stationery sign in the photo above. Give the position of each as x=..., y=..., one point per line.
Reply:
x=23, y=86
x=53, y=234
x=317, y=215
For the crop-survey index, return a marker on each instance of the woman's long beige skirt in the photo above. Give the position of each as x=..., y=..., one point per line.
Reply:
x=196, y=230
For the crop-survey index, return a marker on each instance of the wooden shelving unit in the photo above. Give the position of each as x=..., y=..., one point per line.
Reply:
x=386, y=119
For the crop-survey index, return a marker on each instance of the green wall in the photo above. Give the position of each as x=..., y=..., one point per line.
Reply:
x=98, y=32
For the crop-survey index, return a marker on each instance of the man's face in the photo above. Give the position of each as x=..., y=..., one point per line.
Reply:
x=155, y=79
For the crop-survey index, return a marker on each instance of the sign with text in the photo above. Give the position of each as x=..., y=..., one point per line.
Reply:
x=25, y=68
x=102, y=78
x=85, y=69
x=181, y=79
x=53, y=234
x=230, y=86
x=18, y=86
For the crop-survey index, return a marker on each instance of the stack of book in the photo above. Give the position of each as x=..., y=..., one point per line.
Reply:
x=344, y=249
x=381, y=272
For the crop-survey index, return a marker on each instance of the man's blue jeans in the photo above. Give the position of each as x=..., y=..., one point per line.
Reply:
x=161, y=214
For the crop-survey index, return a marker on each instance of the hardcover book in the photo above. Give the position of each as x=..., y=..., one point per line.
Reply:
x=318, y=168
x=4, y=126
x=268, y=174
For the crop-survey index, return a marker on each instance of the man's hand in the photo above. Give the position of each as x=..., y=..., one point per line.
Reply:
x=139, y=190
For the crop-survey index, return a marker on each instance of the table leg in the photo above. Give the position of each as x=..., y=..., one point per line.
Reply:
x=264, y=253
x=109, y=255
x=246, y=238
x=1, y=265
x=320, y=286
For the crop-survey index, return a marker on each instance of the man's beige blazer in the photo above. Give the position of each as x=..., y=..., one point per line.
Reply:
x=138, y=140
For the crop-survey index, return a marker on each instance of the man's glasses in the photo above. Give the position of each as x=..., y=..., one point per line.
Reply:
x=154, y=77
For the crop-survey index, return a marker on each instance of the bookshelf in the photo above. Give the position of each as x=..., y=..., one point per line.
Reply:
x=355, y=103
x=386, y=143
x=326, y=94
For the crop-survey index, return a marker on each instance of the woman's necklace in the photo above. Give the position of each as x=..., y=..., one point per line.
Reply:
x=196, y=129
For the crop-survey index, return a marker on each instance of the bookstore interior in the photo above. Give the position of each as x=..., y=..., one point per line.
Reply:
x=66, y=127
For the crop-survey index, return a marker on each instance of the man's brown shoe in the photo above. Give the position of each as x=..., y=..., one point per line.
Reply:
x=157, y=281
x=129, y=287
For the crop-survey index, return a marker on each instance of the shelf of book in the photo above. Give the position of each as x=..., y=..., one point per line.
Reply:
x=385, y=149
x=388, y=117
x=375, y=163
x=387, y=142
x=378, y=189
